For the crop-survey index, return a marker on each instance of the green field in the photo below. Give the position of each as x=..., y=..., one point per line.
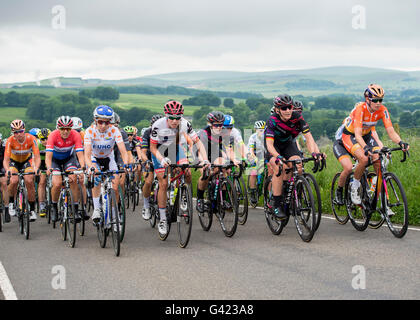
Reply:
x=10, y=114
x=46, y=91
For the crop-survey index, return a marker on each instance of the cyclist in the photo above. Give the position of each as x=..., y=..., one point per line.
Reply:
x=18, y=156
x=146, y=157
x=34, y=132
x=281, y=129
x=357, y=134
x=63, y=146
x=217, y=150
x=166, y=140
x=100, y=139
x=256, y=152
x=3, y=181
x=42, y=146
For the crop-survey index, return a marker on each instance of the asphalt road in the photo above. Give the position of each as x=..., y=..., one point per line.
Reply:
x=254, y=264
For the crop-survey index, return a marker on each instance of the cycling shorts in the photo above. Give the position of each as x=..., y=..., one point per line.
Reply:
x=351, y=145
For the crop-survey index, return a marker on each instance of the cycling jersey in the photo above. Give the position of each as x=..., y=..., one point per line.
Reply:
x=64, y=148
x=214, y=144
x=361, y=117
x=42, y=150
x=256, y=144
x=162, y=135
x=237, y=136
x=145, y=144
x=102, y=142
x=117, y=153
x=21, y=152
x=2, y=149
x=281, y=131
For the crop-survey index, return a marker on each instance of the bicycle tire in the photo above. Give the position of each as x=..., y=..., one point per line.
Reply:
x=253, y=204
x=317, y=197
x=241, y=192
x=357, y=214
x=153, y=203
x=309, y=221
x=100, y=228
x=184, y=215
x=206, y=218
x=398, y=233
x=115, y=223
x=228, y=229
x=335, y=206
x=121, y=210
x=275, y=226
x=82, y=209
x=60, y=213
x=71, y=219
x=377, y=219
x=48, y=204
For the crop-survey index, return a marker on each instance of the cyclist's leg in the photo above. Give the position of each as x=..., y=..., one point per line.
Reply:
x=14, y=167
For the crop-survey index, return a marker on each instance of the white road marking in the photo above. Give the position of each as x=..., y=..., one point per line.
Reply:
x=5, y=285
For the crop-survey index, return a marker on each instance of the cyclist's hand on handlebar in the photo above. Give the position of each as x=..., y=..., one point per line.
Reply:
x=404, y=145
x=206, y=164
x=165, y=162
x=368, y=150
x=279, y=160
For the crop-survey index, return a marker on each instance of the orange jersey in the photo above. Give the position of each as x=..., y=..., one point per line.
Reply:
x=20, y=152
x=360, y=117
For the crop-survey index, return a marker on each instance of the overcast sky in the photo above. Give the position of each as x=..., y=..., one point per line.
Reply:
x=127, y=39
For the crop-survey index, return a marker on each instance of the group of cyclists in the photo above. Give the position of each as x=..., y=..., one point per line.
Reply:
x=171, y=139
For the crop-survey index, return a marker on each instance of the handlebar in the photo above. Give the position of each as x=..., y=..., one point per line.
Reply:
x=386, y=150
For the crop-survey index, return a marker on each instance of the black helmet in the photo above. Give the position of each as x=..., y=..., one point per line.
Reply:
x=154, y=118
x=283, y=100
x=216, y=116
x=297, y=106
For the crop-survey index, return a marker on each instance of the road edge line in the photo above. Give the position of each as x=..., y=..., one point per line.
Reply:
x=5, y=285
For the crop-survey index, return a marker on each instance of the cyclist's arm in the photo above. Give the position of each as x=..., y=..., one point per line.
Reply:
x=375, y=136
x=88, y=154
x=37, y=156
x=6, y=159
x=359, y=137
x=48, y=159
x=81, y=158
x=130, y=156
x=123, y=152
x=270, y=147
x=143, y=155
x=393, y=135
x=154, y=150
x=310, y=143
x=202, y=154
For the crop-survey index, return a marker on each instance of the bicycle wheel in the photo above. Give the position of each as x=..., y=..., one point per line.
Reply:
x=377, y=219
x=184, y=215
x=206, y=218
x=153, y=203
x=60, y=213
x=339, y=211
x=274, y=225
x=394, y=205
x=115, y=222
x=48, y=204
x=127, y=191
x=304, y=210
x=227, y=207
x=242, y=196
x=71, y=218
x=357, y=213
x=26, y=214
x=133, y=195
x=317, y=197
x=82, y=212
x=121, y=210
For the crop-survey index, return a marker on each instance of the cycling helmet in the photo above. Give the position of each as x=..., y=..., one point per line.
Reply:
x=77, y=123
x=34, y=132
x=115, y=119
x=64, y=122
x=297, y=106
x=283, y=100
x=174, y=107
x=103, y=112
x=374, y=91
x=273, y=110
x=215, y=116
x=142, y=132
x=155, y=118
x=17, y=125
x=228, y=122
x=134, y=130
x=44, y=133
x=259, y=125
x=129, y=130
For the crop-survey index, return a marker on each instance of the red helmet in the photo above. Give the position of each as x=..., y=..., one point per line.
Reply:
x=64, y=122
x=174, y=107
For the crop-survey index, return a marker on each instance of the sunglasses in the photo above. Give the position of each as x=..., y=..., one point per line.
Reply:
x=130, y=135
x=174, y=117
x=65, y=129
x=17, y=132
x=284, y=108
x=44, y=139
x=101, y=122
x=217, y=125
x=376, y=100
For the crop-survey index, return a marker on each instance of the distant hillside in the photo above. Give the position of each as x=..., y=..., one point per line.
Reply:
x=317, y=81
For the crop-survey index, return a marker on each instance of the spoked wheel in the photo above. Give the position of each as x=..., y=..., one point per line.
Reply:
x=358, y=216
x=26, y=215
x=394, y=205
x=71, y=218
x=242, y=195
x=206, y=218
x=115, y=222
x=339, y=210
x=317, y=197
x=252, y=203
x=153, y=203
x=62, y=222
x=228, y=208
x=121, y=210
x=305, y=212
x=275, y=225
x=184, y=215
x=377, y=219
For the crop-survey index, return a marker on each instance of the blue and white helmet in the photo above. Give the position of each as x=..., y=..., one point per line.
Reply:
x=34, y=132
x=103, y=112
x=229, y=122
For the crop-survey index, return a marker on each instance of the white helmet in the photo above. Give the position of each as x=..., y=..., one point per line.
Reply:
x=142, y=132
x=259, y=124
x=77, y=123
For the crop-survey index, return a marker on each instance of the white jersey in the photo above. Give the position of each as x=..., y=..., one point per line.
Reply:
x=256, y=144
x=102, y=143
x=237, y=136
x=161, y=134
